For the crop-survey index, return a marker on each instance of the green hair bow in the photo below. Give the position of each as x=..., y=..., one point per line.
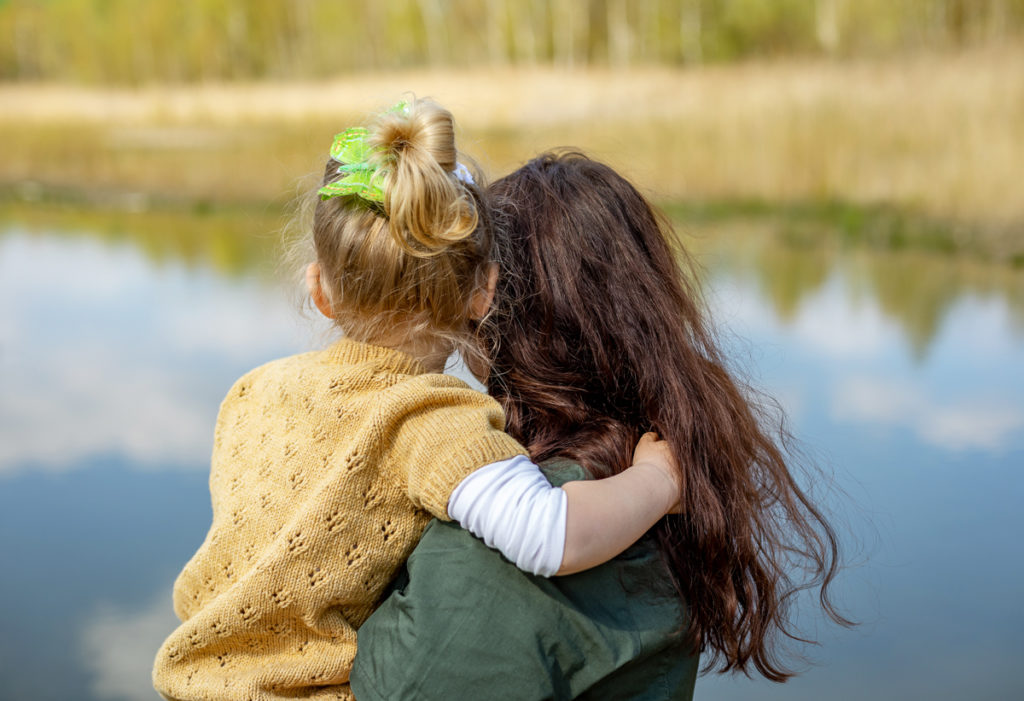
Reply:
x=352, y=150
x=362, y=179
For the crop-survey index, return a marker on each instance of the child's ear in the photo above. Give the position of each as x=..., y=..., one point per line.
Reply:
x=316, y=290
x=483, y=297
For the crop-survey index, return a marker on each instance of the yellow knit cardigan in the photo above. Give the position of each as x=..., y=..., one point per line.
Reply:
x=326, y=469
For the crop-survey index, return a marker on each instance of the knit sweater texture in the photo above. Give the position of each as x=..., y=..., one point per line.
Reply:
x=326, y=468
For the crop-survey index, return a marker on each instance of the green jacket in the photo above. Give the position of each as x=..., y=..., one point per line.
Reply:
x=464, y=623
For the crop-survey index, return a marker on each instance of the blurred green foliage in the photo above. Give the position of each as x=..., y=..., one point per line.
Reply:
x=132, y=42
x=801, y=224
x=917, y=288
x=234, y=241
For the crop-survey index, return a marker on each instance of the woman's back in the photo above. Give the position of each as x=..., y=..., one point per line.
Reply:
x=463, y=623
x=599, y=334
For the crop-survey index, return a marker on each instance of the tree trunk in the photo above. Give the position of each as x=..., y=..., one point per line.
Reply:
x=433, y=30
x=497, y=31
x=563, y=30
x=525, y=36
x=826, y=16
x=619, y=39
x=691, y=33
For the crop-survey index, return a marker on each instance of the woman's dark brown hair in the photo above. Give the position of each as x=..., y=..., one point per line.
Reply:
x=597, y=336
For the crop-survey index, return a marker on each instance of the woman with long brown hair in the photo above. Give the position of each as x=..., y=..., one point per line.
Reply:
x=598, y=334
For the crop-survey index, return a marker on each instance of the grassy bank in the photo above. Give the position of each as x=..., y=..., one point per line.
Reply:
x=880, y=226
x=937, y=139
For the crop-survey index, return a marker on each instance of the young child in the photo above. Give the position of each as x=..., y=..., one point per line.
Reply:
x=328, y=465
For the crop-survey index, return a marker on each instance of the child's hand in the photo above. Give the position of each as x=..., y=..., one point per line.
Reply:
x=650, y=449
x=606, y=516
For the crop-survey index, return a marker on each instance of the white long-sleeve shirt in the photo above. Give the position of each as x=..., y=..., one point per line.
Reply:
x=512, y=507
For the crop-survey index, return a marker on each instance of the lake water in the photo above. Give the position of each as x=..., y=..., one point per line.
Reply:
x=902, y=373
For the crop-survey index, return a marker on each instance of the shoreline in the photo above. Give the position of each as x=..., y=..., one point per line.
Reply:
x=940, y=136
x=796, y=224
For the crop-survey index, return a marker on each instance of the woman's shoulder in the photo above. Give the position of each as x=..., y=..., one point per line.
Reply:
x=607, y=626
x=636, y=574
x=634, y=578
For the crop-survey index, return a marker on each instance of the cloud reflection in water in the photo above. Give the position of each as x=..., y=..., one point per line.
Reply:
x=117, y=646
x=844, y=345
x=972, y=422
x=101, y=355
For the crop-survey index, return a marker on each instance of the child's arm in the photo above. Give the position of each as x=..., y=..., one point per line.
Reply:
x=606, y=516
x=550, y=530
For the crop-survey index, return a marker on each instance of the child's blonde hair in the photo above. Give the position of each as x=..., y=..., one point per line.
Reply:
x=409, y=267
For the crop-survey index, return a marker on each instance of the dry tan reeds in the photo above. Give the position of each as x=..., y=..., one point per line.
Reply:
x=940, y=134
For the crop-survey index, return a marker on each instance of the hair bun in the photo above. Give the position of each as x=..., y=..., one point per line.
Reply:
x=427, y=207
x=399, y=133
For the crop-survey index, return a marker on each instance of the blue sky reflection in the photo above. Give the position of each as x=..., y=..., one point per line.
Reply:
x=113, y=367
x=104, y=355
